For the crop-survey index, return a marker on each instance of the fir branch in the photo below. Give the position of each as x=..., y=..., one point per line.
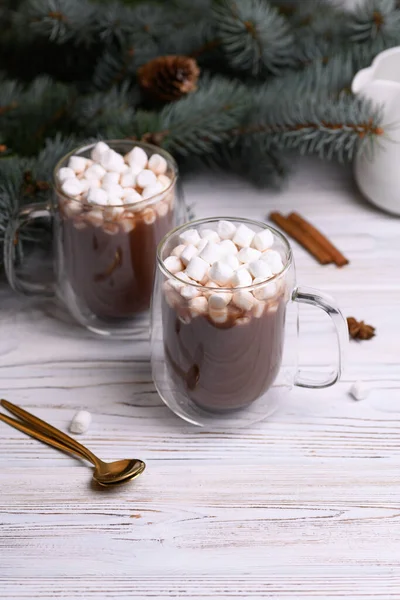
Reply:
x=377, y=22
x=254, y=36
x=196, y=123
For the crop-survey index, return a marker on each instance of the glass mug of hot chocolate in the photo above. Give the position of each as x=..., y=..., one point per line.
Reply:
x=225, y=322
x=112, y=204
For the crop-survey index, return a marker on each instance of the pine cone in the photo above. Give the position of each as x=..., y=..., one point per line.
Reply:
x=359, y=330
x=168, y=78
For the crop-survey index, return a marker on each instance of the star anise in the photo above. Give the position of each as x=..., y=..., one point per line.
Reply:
x=359, y=330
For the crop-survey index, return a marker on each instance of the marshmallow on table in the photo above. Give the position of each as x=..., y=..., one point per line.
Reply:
x=98, y=150
x=247, y=255
x=211, y=253
x=158, y=164
x=173, y=264
x=197, y=268
x=263, y=240
x=95, y=172
x=190, y=236
x=243, y=300
x=243, y=236
x=78, y=164
x=228, y=247
x=226, y=230
x=137, y=157
x=81, y=422
x=72, y=187
x=359, y=390
x=210, y=235
x=260, y=268
x=221, y=273
x=97, y=196
x=265, y=292
x=188, y=253
x=219, y=300
x=146, y=178
x=274, y=260
x=241, y=278
x=65, y=173
x=112, y=161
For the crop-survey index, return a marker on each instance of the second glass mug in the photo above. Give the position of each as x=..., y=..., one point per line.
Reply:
x=105, y=256
x=237, y=371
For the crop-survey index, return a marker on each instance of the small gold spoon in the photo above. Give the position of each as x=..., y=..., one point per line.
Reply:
x=105, y=474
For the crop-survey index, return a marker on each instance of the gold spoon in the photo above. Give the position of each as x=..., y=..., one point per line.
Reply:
x=105, y=474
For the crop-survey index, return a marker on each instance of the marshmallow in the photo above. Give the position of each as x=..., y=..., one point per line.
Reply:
x=65, y=173
x=113, y=190
x=219, y=300
x=243, y=236
x=137, y=157
x=242, y=321
x=211, y=253
x=258, y=309
x=110, y=178
x=201, y=245
x=81, y=422
x=173, y=264
x=266, y=291
x=158, y=164
x=359, y=390
x=72, y=208
x=98, y=150
x=226, y=230
x=210, y=284
x=241, y=278
x=72, y=187
x=164, y=180
x=219, y=316
x=132, y=197
x=112, y=161
x=189, y=291
x=183, y=278
x=247, y=255
x=190, y=236
x=116, y=209
x=149, y=216
x=95, y=172
x=177, y=251
x=111, y=228
x=228, y=247
x=221, y=273
x=188, y=253
x=274, y=260
x=260, y=269
x=152, y=190
x=97, y=196
x=198, y=306
x=146, y=178
x=263, y=239
x=197, y=268
x=162, y=208
x=80, y=225
x=85, y=185
x=210, y=235
x=95, y=217
x=128, y=223
x=128, y=180
x=232, y=261
x=243, y=300
x=78, y=164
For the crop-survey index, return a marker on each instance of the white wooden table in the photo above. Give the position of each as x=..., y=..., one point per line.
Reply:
x=305, y=505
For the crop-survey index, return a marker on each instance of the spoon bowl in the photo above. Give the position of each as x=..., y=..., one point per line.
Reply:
x=119, y=471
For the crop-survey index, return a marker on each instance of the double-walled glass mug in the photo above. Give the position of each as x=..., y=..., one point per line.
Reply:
x=234, y=366
x=105, y=256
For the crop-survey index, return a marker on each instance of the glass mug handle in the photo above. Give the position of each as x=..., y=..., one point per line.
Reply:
x=305, y=295
x=25, y=215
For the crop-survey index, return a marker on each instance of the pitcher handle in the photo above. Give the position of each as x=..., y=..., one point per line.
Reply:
x=305, y=295
x=25, y=215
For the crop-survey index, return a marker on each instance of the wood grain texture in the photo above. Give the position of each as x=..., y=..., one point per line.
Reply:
x=305, y=505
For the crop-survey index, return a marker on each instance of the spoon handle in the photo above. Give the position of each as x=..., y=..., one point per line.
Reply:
x=38, y=435
x=52, y=432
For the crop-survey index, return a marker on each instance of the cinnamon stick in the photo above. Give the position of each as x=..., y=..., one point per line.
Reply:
x=336, y=256
x=307, y=241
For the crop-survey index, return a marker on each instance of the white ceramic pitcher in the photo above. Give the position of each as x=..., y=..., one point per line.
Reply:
x=378, y=172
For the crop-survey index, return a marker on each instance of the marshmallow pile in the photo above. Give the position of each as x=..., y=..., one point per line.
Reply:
x=108, y=179
x=229, y=257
